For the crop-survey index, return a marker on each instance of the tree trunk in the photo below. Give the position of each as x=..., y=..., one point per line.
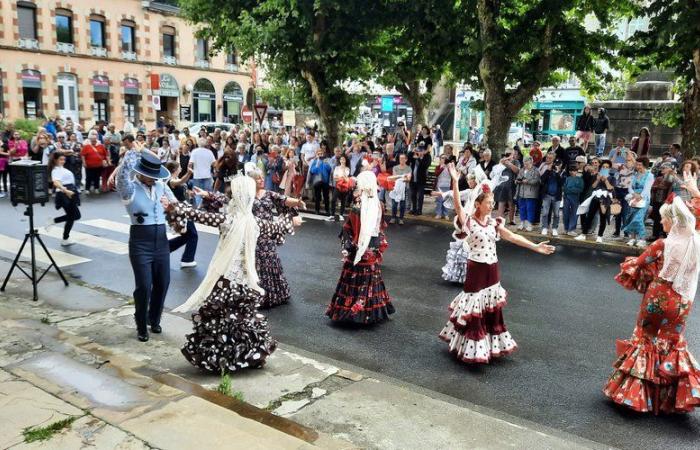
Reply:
x=496, y=123
x=329, y=120
x=691, y=113
x=411, y=90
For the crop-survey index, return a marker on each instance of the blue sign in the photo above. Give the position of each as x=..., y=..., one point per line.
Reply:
x=387, y=104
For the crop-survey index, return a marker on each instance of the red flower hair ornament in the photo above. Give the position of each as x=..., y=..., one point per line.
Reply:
x=669, y=199
x=485, y=188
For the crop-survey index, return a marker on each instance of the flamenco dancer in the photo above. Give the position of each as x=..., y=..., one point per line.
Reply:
x=654, y=371
x=229, y=334
x=475, y=331
x=267, y=206
x=455, y=268
x=361, y=296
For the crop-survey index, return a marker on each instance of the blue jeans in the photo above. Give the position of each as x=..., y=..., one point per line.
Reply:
x=527, y=207
x=599, y=144
x=550, y=203
x=189, y=240
x=440, y=209
x=571, y=203
x=400, y=205
x=202, y=183
x=150, y=260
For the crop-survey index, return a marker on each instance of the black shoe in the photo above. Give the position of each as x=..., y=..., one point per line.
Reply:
x=156, y=329
x=143, y=337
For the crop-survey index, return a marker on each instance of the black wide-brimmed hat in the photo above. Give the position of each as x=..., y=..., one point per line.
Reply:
x=151, y=167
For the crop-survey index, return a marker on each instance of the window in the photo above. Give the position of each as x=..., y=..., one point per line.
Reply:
x=97, y=32
x=26, y=14
x=202, y=50
x=64, y=27
x=128, y=37
x=169, y=42
x=232, y=58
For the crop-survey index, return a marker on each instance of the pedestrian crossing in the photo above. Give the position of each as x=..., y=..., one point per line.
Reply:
x=10, y=246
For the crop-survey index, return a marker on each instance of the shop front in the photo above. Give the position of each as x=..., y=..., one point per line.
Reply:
x=233, y=101
x=132, y=98
x=390, y=109
x=68, y=96
x=100, y=105
x=552, y=118
x=204, y=99
x=169, y=97
x=31, y=93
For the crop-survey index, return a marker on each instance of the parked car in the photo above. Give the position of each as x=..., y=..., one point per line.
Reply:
x=210, y=127
x=516, y=133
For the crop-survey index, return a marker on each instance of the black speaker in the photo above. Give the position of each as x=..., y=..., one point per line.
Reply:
x=29, y=183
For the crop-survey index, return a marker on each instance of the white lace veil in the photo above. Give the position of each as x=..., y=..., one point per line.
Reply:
x=370, y=211
x=681, y=250
x=240, y=238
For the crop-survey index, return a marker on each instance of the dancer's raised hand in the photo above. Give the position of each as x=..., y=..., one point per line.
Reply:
x=200, y=192
x=453, y=171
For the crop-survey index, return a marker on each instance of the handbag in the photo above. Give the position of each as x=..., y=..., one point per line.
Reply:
x=615, y=208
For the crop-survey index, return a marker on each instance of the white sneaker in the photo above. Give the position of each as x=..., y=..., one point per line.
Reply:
x=631, y=242
x=528, y=227
x=340, y=217
x=3, y=195
x=599, y=240
x=571, y=233
x=521, y=226
x=580, y=237
x=545, y=232
x=555, y=232
x=438, y=216
x=641, y=243
x=187, y=264
x=67, y=242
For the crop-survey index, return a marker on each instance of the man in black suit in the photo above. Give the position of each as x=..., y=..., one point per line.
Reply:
x=420, y=161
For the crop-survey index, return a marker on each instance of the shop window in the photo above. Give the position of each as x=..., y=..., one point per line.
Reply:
x=64, y=26
x=26, y=15
x=204, y=101
x=97, y=32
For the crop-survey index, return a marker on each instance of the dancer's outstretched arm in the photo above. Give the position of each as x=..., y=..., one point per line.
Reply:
x=543, y=247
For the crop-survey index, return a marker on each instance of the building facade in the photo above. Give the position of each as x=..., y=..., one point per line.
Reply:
x=115, y=61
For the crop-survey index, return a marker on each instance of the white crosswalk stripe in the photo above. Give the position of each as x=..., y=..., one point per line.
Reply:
x=201, y=228
x=10, y=246
x=108, y=245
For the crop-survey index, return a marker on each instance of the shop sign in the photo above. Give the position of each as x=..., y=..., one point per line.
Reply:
x=100, y=84
x=186, y=113
x=131, y=86
x=168, y=86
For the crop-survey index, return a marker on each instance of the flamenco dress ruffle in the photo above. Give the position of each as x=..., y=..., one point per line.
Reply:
x=360, y=296
x=475, y=331
x=455, y=268
x=229, y=334
x=654, y=373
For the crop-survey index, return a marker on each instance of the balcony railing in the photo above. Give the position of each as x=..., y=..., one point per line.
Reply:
x=202, y=64
x=98, y=51
x=129, y=56
x=28, y=43
x=64, y=47
x=170, y=60
x=232, y=67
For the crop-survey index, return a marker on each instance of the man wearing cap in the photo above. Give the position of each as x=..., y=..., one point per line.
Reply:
x=141, y=185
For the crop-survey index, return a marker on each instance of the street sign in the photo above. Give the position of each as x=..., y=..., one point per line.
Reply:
x=156, y=102
x=186, y=113
x=246, y=114
x=260, y=110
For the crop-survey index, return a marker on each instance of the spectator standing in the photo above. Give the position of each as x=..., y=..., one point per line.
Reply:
x=618, y=155
x=291, y=162
x=572, y=191
x=623, y=181
x=558, y=151
x=201, y=162
x=402, y=177
x=602, y=124
x=486, y=163
x=504, y=193
x=663, y=185
x=274, y=167
x=18, y=147
x=342, y=189
x=527, y=193
x=536, y=154
x=95, y=158
x=572, y=152
x=584, y=127
x=225, y=167
x=600, y=201
x=443, y=183
x=551, y=192
x=420, y=161
x=638, y=198
x=73, y=161
x=641, y=145
x=320, y=174
x=424, y=138
x=438, y=141
x=677, y=154
x=402, y=139
x=4, y=162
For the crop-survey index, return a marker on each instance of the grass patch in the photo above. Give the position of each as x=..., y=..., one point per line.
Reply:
x=226, y=387
x=34, y=434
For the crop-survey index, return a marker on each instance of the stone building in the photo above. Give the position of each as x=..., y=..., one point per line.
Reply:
x=114, y=60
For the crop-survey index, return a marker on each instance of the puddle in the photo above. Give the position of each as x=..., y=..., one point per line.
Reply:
x=99, y=388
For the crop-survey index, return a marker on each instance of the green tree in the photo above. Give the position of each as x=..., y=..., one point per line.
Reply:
x=318, y=45
x=520, y=46
x=672, y=42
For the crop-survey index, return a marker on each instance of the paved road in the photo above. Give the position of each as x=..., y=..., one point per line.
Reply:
x=565, y=312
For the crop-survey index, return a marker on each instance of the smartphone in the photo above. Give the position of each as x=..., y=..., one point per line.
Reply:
x=605, y=172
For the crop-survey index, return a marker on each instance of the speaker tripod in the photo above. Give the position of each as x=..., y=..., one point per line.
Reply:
x=31, y=236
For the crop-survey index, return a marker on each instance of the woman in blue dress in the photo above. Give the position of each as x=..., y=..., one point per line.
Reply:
x=638, y=200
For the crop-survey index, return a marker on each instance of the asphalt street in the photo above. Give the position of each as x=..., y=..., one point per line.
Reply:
x=565, y=311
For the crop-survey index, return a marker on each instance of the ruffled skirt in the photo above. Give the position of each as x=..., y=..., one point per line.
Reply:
x=271, y=274
x=475, y=332
x=455, y=268
x=229, y=334
x=360, y=296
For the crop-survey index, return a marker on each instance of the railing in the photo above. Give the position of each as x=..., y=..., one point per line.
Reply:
x=129, y=56
x=64, y=47
x=202, y=64
x=28, y=43
x=232, y=67
x=98, y=51
x=170, y=60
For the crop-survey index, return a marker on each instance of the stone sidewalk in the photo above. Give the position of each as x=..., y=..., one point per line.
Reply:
x=73, y=355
